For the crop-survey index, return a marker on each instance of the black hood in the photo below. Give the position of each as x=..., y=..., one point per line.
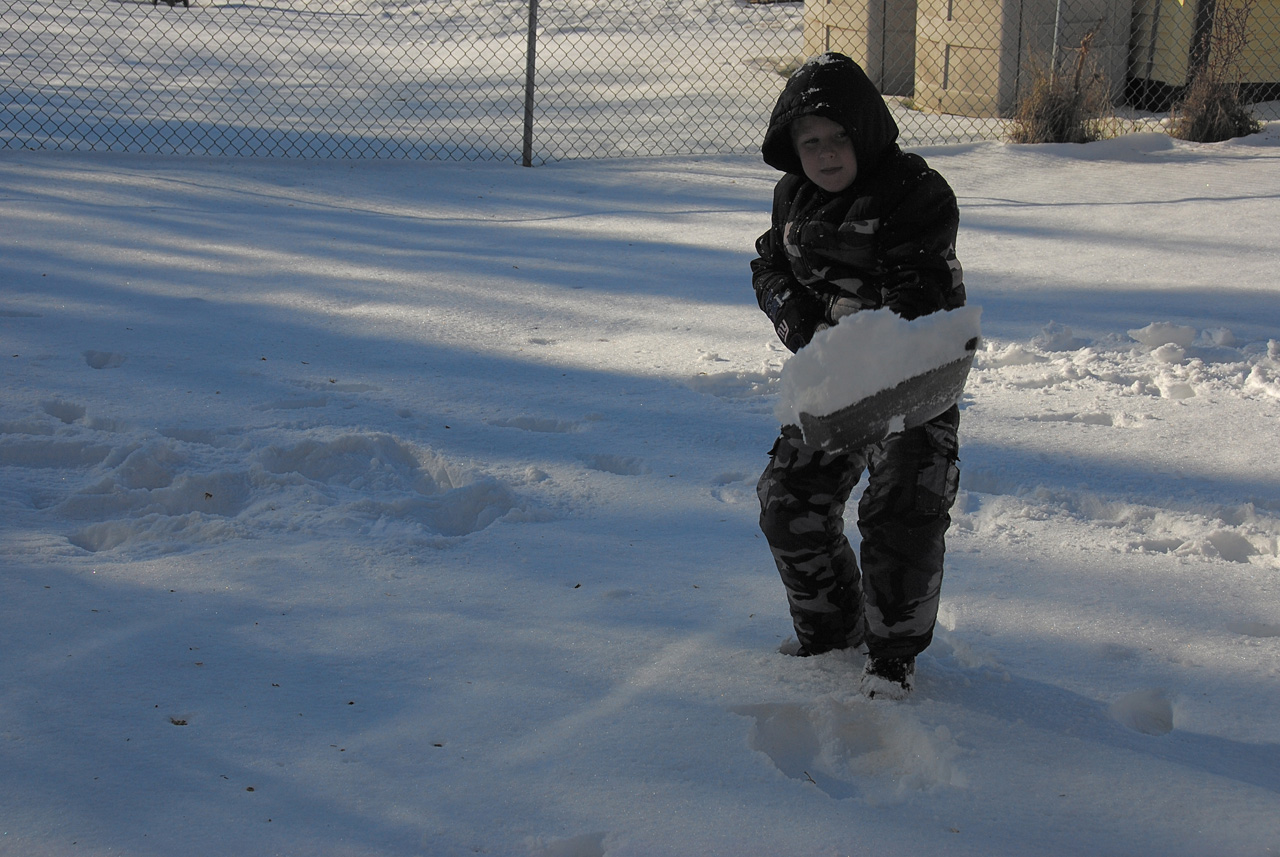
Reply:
x=836, y=87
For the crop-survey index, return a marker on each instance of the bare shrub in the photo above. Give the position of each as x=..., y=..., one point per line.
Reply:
x=1063, y=109
x=1211, y=109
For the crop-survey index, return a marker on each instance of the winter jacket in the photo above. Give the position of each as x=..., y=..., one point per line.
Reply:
x=887, y=240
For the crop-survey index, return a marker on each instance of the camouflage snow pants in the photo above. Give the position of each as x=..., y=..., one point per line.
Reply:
x=903, y=517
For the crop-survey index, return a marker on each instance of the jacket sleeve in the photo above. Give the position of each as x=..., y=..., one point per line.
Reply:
x=917, y=246
x=794, y=310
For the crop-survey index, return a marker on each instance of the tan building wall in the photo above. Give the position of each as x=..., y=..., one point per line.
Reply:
x=1163, y=32
x=973, y=57
x=880, y=35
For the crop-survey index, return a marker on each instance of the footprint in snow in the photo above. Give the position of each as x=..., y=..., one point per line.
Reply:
x=734, y=489
x=1254, y=629
x=103, y=359
x=586, y=845
x=68, y=412
x=1147, y=711
x=853, y=749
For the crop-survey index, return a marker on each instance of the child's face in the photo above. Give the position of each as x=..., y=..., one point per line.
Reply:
x=826, y=152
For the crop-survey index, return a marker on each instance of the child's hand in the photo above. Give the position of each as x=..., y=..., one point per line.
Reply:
x=795, y=316
x=907, y=295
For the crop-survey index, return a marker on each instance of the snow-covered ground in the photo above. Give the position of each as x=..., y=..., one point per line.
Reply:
x=370, y=508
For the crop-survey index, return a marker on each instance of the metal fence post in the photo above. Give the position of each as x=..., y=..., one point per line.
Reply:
x=1057, y=34
x=530, y=66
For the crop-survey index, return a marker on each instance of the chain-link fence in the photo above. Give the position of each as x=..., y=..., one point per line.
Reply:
x=531, y=81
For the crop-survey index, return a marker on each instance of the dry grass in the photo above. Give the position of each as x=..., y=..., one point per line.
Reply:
x=1211, y=110
x=1063, y=109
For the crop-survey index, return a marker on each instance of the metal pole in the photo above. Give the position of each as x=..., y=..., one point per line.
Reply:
x=530, y=64
x=1057, y=33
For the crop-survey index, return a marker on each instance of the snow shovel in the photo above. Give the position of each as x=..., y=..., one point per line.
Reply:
x=908, y=404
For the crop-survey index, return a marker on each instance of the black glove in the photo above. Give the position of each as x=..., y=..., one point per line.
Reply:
x=907, y=295
x=795, y=315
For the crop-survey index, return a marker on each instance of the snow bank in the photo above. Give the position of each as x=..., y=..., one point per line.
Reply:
x=172, y=491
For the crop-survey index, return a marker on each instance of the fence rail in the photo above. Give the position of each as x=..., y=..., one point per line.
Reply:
x=507, y=80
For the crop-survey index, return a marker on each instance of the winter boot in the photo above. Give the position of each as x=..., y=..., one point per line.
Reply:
x=888, y=678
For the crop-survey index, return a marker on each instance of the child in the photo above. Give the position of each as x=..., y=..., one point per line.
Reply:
x=857, y=224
